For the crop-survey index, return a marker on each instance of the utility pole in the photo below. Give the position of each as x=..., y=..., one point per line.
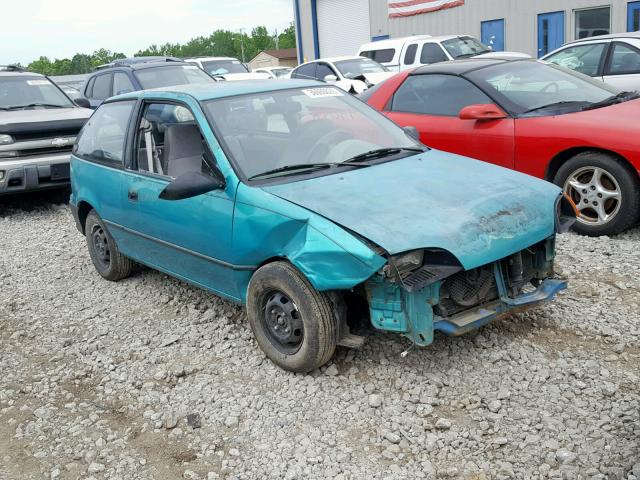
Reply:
x=242, y=43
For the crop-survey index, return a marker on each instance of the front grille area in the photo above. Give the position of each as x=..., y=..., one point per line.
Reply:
x=45, y=151
x=465, y=290
x=468, y=289
x=48, y=135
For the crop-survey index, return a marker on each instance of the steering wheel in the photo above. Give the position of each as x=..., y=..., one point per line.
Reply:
x=548, y=86
x=324, y=144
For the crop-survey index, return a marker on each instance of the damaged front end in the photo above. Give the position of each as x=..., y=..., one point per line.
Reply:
x=422, y=291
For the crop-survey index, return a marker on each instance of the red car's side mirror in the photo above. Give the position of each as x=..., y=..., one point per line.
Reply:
x=482, y=111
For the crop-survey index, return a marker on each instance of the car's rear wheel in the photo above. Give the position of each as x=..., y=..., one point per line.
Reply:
x=604, y=189
x=104, y=253
x=293, y=323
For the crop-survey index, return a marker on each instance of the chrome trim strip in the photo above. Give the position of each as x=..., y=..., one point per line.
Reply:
x=182, y=249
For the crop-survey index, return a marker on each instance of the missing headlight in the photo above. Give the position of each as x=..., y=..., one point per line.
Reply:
x=566, y=213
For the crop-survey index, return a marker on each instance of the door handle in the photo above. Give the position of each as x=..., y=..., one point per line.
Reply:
x=133, y=195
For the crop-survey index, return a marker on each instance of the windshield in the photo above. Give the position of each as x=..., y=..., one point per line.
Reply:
x=461, y=47
x=168, y=76
x=317, y=125
x=222, y=67
x=524, y=86
x=29, y=91
x=358, y=66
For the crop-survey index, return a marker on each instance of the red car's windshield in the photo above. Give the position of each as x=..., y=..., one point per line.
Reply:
x=525, y=87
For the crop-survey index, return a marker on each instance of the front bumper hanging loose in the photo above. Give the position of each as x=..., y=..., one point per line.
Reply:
x=395, y=309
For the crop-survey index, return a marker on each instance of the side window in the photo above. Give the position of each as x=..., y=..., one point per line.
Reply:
x=103, y=136
x=169, y=142
x=101, y=87
x=305, y=71
x=442, y=95
x=410, y=54
x=382, y=56
x=432, y=53
x=323, y=70
x=624, y=60
x=89, y=89
x=581, y=58
x=121, y=83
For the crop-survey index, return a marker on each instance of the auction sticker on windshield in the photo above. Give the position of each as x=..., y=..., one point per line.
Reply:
x=322, y=92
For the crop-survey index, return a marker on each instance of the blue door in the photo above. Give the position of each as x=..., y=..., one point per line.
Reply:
x=550, y=32
x=492, y=34
x=633, y=16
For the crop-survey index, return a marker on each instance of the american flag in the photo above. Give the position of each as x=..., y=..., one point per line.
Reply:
x=415, y=7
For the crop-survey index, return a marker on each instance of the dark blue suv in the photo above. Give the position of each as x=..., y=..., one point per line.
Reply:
x=138, y=73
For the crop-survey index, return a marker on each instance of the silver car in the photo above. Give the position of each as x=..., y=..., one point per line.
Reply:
x=38, y=127
x=614, y=59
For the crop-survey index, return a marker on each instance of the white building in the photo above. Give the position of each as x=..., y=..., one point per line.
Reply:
x=326, y=28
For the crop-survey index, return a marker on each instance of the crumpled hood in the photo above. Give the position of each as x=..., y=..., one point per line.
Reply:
x=477, y=211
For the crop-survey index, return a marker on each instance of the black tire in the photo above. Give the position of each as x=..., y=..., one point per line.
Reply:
x=311, y=348
x=106, y=257
x=628, y=210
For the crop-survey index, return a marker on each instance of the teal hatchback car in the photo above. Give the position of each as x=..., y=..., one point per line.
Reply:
x=305, y=205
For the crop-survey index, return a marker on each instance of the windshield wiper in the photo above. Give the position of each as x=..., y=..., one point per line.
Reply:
x=305, y=167
x=47, y=105
x=381, y=153
x=556, y=104
x=612, y=100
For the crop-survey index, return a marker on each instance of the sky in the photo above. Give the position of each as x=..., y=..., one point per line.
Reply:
x=61, y=28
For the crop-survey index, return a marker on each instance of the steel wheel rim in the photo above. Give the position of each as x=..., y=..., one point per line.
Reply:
x=100, y=244
x=596, y=193
x=282, y=322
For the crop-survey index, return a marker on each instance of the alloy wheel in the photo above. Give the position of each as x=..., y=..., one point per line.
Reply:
x=596, y=193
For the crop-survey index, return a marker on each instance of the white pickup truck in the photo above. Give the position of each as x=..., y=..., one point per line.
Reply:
x=398, y=54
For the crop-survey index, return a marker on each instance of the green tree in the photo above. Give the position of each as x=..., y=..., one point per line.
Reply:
x=287, y=39
x=42, y=65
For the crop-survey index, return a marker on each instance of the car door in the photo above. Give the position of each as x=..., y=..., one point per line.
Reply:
x=323, y=70
x=622, y=69
x=432, y=102
x=100, y=89
x=307, y=72
x=188, y=238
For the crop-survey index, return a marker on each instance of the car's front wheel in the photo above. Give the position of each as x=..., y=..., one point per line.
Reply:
x=604, y=189
x=293, y=323
x=104, y=253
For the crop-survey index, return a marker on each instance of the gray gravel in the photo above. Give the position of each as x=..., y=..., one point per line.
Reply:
x=152, y=378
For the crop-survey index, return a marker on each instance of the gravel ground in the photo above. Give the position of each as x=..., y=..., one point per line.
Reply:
x=152, y=378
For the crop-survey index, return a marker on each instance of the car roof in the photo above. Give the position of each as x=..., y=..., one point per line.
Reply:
x=607, y=37
x=19, y=73
x=335, y=59
x=460, y=67
x=142, y=65
x=206, y=59
x=211, y=91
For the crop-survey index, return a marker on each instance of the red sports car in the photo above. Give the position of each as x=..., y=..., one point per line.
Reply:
x=533, y=117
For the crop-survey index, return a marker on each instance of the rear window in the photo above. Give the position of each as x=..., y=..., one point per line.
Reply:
x=381, y=56
x=103, y=136
x=168, y=76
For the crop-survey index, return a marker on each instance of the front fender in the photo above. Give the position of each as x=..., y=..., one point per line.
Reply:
x=267, y=227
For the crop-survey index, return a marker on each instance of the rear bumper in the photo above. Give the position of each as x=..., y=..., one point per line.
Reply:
x=473, y=319
x=34, y=173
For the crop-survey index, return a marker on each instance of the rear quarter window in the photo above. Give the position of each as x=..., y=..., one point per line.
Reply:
x=381, y=56
x=102, y=139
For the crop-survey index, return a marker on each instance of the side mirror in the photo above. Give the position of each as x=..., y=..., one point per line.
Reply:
x=190, y=184
x=82, y=102
x=412, y=132
x=482, y=111
x=330, y=78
